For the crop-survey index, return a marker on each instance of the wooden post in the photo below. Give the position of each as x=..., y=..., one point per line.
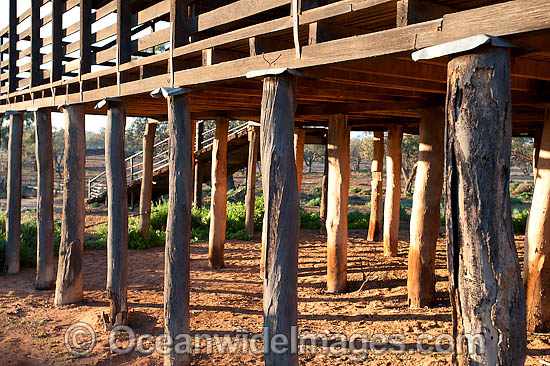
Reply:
x=197, y=192
x=124, y=31
x=337, y=205
x=117, y=208
x=146, y=192
x=393, y=191
x=324, y=195
x=58, y=51
x=218, y=203
x=280, y=187
x=299, y=141
x=250, y=198
x=45, y=265
x=536, y=153
x=13, y=52
x=13, y=217
x=425, y=215
x=484, y=276
x=68, y=287
x=538, y=238
x=178, y=227
x=36, y=44
x=377, y=171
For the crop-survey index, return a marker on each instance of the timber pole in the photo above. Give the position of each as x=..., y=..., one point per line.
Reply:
x=299, y=141
x=117, y=208
x=250, y=198
x=197, y=185
x=425, y=215
x=146, y=189
x=484, y=274
x=393, y=191
x=337, y=205
x=45, y=262
x=537, y=277
x=377, y=171
x=324, y=194
x=68, y=287
x=178, y=227
x=280, y=188
x=13, y=217
x=218, y=203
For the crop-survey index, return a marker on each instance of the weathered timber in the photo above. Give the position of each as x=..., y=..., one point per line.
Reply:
x=416, y=11
x=299, y=141
x=13, y=53
x=324, y=195
x=117, y=208
x=337, y=205
x=36, y=57
x=218, y=203
x=179, y=14
x=45, y=263
x=484, y=278
x=197, y=186
x=250, y=198
x=146, y=189
x=393, y=190
x=68, y=287
x=281, y=216
x=536, y=273
x=57, y=40
x=85, y=36
x=376, y=206
x=13, y=217
x=425, y=216
x=124, y=31
x=178, y=228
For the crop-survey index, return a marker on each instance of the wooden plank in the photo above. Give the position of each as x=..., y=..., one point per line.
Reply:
x=57, y=40
x=85, y=36
x=104, y=11
x=36, y=75
x=13, y=45
x=124, y=31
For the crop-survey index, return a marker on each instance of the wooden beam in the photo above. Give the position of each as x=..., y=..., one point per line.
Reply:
x=322, y=32
x=299, y=141
x=146, y=189
x=13, y=83
x=36, y=57
x=417, y=11
x=392, y=204
x=179, y=19
x=377, y=170
x=197, y=188
x=57, y=40
x=85, y=36
x=124, y=31
x=250, y=198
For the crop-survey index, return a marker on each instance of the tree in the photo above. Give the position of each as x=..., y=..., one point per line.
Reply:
x=313, y=153
x=356, y=152
x=522, y=154
x=58, y=142
x=409, y=157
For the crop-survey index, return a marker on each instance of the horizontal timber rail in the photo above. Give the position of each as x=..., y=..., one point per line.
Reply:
x=104, y=54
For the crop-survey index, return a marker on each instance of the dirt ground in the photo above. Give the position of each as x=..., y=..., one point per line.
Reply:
x=229, y=301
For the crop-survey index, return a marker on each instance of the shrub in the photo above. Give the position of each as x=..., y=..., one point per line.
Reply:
x=354, y=189
x=524, y=191
x=310, y=221
x=314, y=202
x=358, y=220
x=519, y=220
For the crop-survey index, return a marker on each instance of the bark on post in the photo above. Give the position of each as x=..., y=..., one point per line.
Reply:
x=299, y=141
x=146, y=193
x=324, y=195
x=178, y=227
x=250, y=198
x=13, y=217
x=117, y=208
x=536, y=152
x=484, y=276
x=280, y=187
x=425, y=216
x=197, y=191
x=337, y=205
x=68, y=287
x=45, y=270
x=537, y=274
x=392, y=203
x=377, y=170
x=218, y=203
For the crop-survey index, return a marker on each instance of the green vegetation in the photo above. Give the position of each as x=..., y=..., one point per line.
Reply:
x=519, y=220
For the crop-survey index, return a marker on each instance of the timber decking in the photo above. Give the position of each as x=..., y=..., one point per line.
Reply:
x=354, y=55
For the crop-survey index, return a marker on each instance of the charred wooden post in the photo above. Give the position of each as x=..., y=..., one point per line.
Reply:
x=425, y=215
x=117, y=208
x=393, y=190
x=299, y=141
x=146, y=189
x=484, y=275
x=218, y=202
x=377, y=171
x=197, y=192
x=250, y=198
x=324, y=195
x=68, y=287
x=13, y=217
x=178, y=227
x=280, y=188
x=45, y=264
x=536, y=278
x=337, y=205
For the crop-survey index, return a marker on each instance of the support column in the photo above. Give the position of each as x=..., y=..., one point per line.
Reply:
x=324, y=195
x=536, y=153
x=13, y=216
x=250, y=198
x=280, y=187
x=299, y=141
x=218, y=202
x=45, y=264
x=197, y=192
x=392, y=203
x=337, y=206
x=377, y=171
x=68, y=287
x=537, y=274
x=425, y=215
x=117, y=208
x=178, y=226
x=146, y=193
x=484, y=274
